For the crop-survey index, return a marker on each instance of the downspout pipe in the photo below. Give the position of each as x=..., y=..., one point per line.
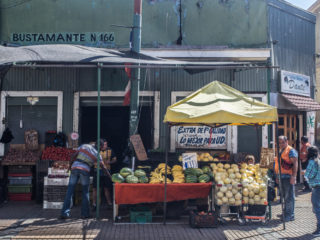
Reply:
x=98, y=138
x=135, y=81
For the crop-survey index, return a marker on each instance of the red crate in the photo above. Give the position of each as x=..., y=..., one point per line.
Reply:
x=19, y=196
x=20, y=174
x=203, y=220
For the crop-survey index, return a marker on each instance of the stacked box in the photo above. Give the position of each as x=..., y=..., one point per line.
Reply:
x=20, y=183
x=54, y=192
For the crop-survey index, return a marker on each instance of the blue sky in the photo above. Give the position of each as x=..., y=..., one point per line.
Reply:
x=302, y=3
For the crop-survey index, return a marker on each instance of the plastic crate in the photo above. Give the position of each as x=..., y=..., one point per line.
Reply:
x=20, y=174
x=19, y=188
x=56, y=181
x=20, y=180
x=203, y=220
x=256, y=210
x=140, y=215
x=20, y=169
x=52, y=205
x=19, y=196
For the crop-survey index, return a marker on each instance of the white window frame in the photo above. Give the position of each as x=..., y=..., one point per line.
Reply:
x=156, y=110
x=232, y=133
x=5, y=94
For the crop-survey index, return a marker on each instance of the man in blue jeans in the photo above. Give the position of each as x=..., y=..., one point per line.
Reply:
x=289, y=167
x=82, y=161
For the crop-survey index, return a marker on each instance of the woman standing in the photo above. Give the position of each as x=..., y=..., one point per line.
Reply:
x=313, y=177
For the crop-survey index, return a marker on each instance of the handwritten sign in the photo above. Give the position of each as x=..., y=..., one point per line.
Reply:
x=138, y=147
x=31, y=139
x=189, y=160
x=201, y=137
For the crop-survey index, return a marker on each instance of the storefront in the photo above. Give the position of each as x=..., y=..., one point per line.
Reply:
x=296, y=108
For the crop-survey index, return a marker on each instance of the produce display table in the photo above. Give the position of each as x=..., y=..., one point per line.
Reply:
x=129, y=193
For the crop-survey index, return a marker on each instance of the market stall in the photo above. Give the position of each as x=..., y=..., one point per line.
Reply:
x=215, y=105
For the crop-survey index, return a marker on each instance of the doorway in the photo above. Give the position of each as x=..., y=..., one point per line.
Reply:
x=115, y=127
x=288, y=126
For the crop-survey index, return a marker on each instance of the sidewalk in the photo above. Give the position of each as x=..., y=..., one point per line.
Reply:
x=19, y=220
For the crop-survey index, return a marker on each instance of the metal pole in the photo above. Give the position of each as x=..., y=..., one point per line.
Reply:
x=135, y=81
x=98, y=141
x=269, y=64
x=279, y=177
x=166, y=174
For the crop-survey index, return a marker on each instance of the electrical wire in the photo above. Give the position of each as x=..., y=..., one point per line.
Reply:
x=15, y=4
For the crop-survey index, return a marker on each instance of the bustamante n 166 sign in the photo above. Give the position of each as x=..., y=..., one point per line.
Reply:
x=63, y=38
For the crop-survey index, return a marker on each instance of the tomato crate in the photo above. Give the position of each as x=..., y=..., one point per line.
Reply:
x=19, y=188
x=140, y=215
x=19, y=196
x=203, y=219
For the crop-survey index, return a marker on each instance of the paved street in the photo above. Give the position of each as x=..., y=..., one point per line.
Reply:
x=20, y=220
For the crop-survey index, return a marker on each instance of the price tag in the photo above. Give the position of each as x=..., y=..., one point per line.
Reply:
x=189, y=160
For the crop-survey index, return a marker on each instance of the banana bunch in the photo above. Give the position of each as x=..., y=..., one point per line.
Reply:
x=158, y=175
x=178, y=175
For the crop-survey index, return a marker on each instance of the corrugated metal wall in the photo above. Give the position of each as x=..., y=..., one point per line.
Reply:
x=294, y=32
x=41, y=79
x=163, y=80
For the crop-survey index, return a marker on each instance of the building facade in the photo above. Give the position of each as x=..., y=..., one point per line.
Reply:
x=197, y=30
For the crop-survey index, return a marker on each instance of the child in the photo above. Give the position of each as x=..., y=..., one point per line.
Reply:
x=249, y=159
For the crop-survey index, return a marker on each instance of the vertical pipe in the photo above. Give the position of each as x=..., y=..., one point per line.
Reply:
x=135, y=82
x=98, y=140
x=166, y=174
x=269, y=64
x=279, y=177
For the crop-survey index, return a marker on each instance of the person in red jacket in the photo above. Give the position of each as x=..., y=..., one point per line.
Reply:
x=304, y=160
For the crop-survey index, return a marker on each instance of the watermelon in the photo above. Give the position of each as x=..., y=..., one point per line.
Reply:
x=191, y=179
x=117, y=178
x=125, y=172
x=132, y=179
x=203, y=178
x=198, y=171
x=206, y=169
x=190, y=171
x=143, y=179
x=139, y=173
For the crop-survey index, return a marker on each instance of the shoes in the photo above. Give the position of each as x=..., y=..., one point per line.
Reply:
x=287, y=219
x=63, y=217
x=290, y=219
x=85, y=217
x=306, y=190
x=316, y=233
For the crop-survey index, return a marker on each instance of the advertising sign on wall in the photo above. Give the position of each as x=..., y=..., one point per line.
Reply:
x=295, y=83
x=201, y=137
x=311, y=117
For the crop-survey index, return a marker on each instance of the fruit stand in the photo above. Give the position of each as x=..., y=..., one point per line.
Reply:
x=215, y=105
